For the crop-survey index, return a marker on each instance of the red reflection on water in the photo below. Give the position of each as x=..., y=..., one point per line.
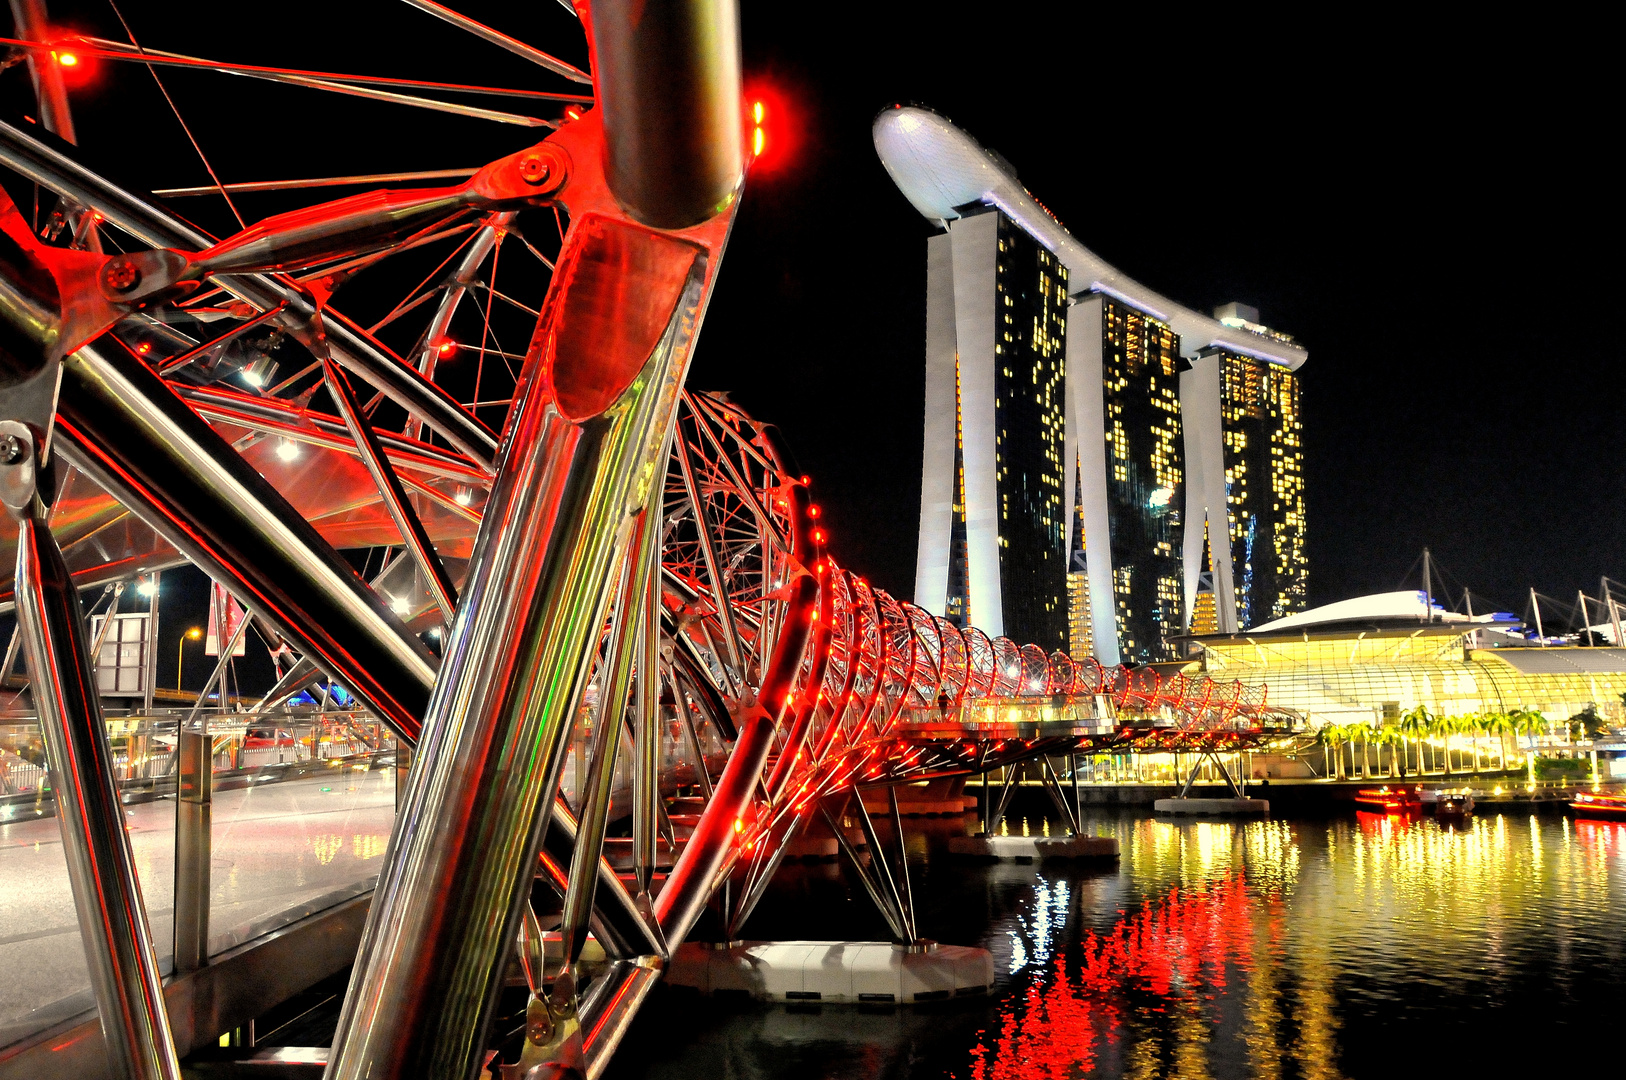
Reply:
x=1176, y=946
x=1374, y=823
x=1600, y=837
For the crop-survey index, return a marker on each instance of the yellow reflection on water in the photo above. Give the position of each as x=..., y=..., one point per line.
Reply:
x=1265, y=934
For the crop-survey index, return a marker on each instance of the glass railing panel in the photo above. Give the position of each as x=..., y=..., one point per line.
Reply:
x=41, y=951
x=143, y=763
x=46, y=979
x=302, y=811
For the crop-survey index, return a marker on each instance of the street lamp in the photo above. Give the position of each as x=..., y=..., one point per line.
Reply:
x=191, y=635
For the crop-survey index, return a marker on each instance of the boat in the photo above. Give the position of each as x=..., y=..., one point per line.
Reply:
x=1447, y=802
x=1610, y=807
x=1453, y=804
x=1390, y=800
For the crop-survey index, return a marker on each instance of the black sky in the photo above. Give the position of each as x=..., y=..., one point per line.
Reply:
x=1430, y=211
x=1431, y=208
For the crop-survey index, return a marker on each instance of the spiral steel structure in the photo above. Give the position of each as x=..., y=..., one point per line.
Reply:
x=639, y=628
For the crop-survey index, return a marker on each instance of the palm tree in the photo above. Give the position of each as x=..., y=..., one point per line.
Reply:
x=1474, y=725
x=1387, y=736
x=1501, y=725
x=1530, y=722
x=1329, y=736
x=1364, y=733
x=1444, y=727
x=1415, y=722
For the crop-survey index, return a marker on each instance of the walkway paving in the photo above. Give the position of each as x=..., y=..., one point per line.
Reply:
x=280, y=850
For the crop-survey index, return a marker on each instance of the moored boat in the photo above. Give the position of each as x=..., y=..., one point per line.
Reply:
x=1390, y=800
x=1453, y=804
x=1612, y=807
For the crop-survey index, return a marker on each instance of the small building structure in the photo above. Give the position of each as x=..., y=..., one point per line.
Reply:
x=1373, y=659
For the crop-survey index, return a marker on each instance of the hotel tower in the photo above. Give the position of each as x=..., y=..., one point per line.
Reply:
x=1104, y=468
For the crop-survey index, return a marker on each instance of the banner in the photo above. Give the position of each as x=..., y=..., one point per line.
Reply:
x=220, y=599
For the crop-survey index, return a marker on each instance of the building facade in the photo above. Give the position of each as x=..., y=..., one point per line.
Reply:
x=1370, y=660
x=1126, y=448
x=1247, y=490
x=1102, y=466
x=994, y=540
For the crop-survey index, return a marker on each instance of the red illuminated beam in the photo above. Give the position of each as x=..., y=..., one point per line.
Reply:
x=352, y=86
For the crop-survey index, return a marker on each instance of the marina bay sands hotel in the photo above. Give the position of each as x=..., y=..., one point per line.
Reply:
x=1104, y=468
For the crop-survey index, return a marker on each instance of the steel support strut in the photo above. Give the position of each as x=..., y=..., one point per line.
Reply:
x=349, y=343
x=101, y=869
x=578, y=460
x=122, y=425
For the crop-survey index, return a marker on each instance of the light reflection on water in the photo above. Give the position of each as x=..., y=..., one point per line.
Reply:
x=1340, y=947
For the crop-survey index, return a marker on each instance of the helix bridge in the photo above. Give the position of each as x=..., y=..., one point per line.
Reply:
x=605, y=628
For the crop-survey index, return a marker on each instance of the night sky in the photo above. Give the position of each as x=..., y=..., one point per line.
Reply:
x=1432, y=221
x=1429, y=210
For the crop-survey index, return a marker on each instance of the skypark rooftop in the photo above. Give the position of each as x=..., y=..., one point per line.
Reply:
x=941, y=170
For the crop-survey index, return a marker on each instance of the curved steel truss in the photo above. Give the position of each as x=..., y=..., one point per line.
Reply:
x=612, y=634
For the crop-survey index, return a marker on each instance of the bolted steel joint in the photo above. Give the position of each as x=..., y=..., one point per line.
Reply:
x=121, y=275
x=534, y=168
x=19, y=472
x=537, y=172
x=543, y=168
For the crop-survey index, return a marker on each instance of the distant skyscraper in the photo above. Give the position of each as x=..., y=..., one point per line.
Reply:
x=1103, y=468
x=1248, y=480
x=1123, y=382
x=1264, y=474
x=992, y=500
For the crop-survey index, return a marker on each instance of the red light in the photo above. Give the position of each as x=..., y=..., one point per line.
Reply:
x=446, y=348
x=767, y=107
x=66, y=59
x=573, y=114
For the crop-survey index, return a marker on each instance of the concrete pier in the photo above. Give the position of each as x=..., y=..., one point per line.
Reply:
x=861, y=972
x=1211, y=807
x=1034, y=847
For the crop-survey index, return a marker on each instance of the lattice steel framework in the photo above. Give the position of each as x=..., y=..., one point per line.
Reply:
x=628, y=569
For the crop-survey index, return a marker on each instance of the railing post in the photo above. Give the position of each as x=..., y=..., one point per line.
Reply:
x=107, y=894
x=403, y=769
x=193, y=846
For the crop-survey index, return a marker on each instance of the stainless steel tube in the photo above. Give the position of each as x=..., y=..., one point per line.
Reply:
x=616, y=923
x=647, y=732
x=120, y=424
x=390, y=491
x=668, y=87
x=107, y=895
x=194, y=844
x=349, y=343
x=32, y=23
x=608, y=1010
x=578, y=460
x=615, y=681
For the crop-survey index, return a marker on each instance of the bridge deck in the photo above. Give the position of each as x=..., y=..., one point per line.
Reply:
x=280, y=850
